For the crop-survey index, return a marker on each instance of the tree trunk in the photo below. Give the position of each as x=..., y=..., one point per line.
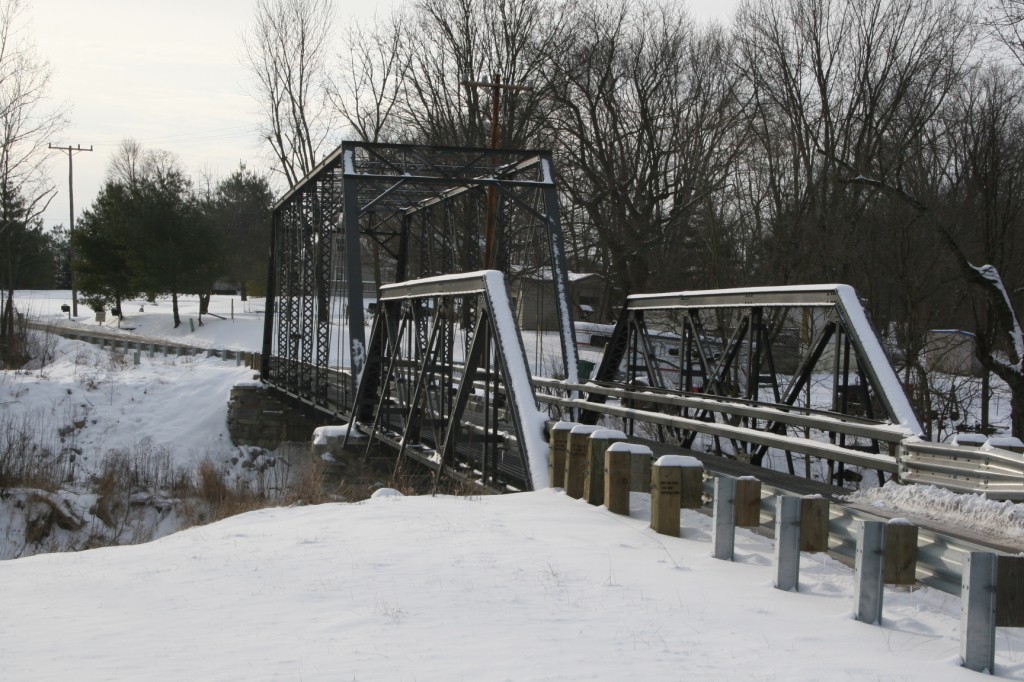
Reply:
x=1017, y=407
x=241, y=291
x=174, y=307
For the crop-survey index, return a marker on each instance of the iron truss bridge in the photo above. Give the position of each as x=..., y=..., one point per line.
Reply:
x=790, y=380
x=372, y=214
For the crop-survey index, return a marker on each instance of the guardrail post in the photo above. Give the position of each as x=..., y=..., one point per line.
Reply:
x=640, y=470
x=665, y=485
x=558, y=445
x=1009, y=597
x=691, y=495
x=814, y=518
x=900, y=552
x=723, y=534
x=576, y=459
x=868, y=586
x=593, y=480
x=137, y=358
x=787, y=542
x=748, y=502
x=978, y=612
x=616, y=478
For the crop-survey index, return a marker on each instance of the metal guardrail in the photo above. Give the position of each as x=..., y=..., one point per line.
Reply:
x=940, y=557
x=129, y=343
x=996, y=473
x=993, y=472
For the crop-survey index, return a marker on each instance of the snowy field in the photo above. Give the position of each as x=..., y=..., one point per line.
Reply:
x=527, y=587
x=534, y=586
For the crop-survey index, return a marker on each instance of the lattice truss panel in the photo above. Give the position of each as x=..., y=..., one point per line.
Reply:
x=470, y=415
x=373, y=214
x=804, y=349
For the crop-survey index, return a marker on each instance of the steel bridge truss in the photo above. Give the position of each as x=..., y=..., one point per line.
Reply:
x=472, y=418
x=391, y=213
x=804, y=349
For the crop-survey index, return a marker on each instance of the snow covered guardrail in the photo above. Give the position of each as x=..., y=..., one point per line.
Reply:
x=128, y=343
x=994, y=472
x=806, y=446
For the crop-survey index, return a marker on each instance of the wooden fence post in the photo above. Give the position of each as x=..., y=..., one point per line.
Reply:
x=616, y=477
x=593, y=479
x=814, y=518
x=665, y=487
x=748, y=502
x=576, y=459
x=692, y=484
x=640, y=470
x=558, y=442
x=868, y=586
x=900, y=552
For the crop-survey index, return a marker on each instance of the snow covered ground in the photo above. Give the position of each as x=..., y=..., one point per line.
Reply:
x=530, y=586
x=533, y=586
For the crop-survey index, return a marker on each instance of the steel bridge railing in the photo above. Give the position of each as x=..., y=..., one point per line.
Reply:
x=996, y=473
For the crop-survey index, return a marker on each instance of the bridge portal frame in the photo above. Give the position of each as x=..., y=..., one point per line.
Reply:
x=413, y=203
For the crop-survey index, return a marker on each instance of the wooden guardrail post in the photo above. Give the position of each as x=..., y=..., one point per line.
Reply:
x=1010, y=598
x=593, y=479
x=640, y=470
x=665, y=487
x=748, y=502
x=868, y=586
x=616, y=477
x=900, y=552
x=723, y=533
x=787, y=542
x=691, y=493
x=558, y=445
x=978, y=598
x=576, y=459
x=814, y=518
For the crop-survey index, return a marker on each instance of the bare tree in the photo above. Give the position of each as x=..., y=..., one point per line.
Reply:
x=26, y=125
x=368, y=88
x=645, y=111
x=287, y=49
x=1005, y=18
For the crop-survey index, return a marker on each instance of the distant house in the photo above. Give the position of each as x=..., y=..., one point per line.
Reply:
x=952, y=351
x=533, y=298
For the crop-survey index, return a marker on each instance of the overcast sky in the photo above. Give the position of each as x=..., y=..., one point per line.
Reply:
x=166, y=73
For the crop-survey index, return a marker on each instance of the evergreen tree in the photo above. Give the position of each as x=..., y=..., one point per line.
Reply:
x=241, y=213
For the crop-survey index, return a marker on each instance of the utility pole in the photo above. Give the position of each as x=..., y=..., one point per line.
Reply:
x=71, y=223
x=496, y=86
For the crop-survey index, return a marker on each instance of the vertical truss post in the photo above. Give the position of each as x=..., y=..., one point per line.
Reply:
x=559, y=275
x=353, y=251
